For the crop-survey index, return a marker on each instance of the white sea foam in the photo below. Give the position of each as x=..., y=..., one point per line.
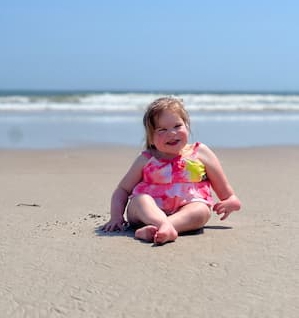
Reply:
x=134, y=102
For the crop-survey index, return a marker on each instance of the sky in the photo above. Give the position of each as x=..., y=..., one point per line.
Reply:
x=150, y=45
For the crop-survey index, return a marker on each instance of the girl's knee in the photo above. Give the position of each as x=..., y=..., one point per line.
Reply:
x=201, y=214
x=137, y=204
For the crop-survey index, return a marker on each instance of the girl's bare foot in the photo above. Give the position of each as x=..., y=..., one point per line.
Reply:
x=146, y=233
x=166, y=233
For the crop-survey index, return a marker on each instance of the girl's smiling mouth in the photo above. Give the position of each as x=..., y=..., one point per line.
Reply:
x=173, y=142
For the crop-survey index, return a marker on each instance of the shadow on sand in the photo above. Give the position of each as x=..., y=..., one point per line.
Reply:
x=129, y=231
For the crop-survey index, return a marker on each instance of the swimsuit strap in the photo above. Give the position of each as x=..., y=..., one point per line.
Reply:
x=146, y=154
x=195, y=149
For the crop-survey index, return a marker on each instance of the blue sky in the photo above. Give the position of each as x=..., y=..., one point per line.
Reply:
x=150, y=45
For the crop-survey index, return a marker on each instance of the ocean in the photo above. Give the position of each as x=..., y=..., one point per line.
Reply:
x=61, y=119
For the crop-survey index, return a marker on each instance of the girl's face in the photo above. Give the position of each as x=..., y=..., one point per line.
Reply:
x=171, y=134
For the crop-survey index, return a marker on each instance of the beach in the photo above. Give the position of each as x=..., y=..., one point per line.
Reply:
x=55, y=262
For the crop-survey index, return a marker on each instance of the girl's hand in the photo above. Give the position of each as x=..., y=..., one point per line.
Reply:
x=114, y=225
x=227, y=206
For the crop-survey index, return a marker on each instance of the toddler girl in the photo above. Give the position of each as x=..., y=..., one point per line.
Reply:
x=167, y=190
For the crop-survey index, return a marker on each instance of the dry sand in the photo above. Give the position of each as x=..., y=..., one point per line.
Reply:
x=54, y=261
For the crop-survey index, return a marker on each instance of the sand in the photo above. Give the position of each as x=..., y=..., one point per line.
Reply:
x=54, y=261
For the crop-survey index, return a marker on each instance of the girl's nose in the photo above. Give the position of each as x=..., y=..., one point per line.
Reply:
x=171, y=131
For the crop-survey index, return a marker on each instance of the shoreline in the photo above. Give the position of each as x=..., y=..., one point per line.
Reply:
x=55, y=261
x=73, y=130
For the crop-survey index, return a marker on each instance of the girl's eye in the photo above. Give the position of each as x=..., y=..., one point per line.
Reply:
x=161, y=131
x=178, y=126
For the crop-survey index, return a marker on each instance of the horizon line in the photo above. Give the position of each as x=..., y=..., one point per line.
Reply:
x=147, y=91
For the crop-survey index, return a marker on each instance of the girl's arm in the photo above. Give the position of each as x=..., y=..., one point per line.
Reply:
x=120, y=195
x=219, y=182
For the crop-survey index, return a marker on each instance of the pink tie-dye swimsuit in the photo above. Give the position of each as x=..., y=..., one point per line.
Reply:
x=175, y=182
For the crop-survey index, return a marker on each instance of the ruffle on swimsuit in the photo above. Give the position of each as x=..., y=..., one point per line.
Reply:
x=175, y=182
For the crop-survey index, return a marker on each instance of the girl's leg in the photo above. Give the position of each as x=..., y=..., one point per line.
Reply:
x=143, y=209
x=190, y=217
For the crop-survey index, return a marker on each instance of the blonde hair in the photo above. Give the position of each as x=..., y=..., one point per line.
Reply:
x=155, y=109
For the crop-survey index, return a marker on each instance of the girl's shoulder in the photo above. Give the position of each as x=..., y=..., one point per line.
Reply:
x=140, y=161
x=207, y=156
x=143, y=158
x=203, y=152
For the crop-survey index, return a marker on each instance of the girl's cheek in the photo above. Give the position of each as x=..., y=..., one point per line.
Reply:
x=160, y=138
x=157, y=140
